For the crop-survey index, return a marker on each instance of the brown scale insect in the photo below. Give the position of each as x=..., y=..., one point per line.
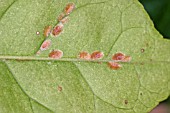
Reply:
x=47, y=31
x=59, y=88
x=114, y=65
x=84, y=55
x=121, y=57
x=97, y=55
x=56, y=54
x=69, y=8
x=61, y=16
x=118, y=56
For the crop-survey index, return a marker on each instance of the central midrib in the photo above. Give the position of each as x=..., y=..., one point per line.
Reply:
x=33, y=58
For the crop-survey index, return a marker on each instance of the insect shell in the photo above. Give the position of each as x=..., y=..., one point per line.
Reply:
x=121, y=57
x=56, y=54
x=127, y=59
x=57, y=30
x=47, y=31
x=114, y=65
x=84, y=55
x=69, y=8
x=97, y=55
x=45, y=45
x=118, y=56
x=61, y=16
x=64, y=20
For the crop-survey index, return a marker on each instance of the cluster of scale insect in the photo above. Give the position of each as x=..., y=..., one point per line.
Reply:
x=56, y=31
x=118, y=57
x=57, y=54
x=96, y=55
x=113, y=64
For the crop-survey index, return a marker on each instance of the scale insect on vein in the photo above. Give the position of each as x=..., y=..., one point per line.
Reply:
x=114, y=65
x=84, y=55
x=47, y=31
x=45, y=45
x=69, y=8
x=97, y=55
x=61, y=16
x=121, y=57
x=57, y=30
x=118, y=56
x=56, y=54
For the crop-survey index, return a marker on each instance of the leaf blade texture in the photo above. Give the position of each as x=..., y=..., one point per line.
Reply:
x=33, y=83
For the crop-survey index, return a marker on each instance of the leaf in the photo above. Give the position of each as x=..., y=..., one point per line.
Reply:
x=31, y=83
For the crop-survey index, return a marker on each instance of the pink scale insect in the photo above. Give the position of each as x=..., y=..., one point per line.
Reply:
x=45, y=45
x=118, y=56
x=97, y=55
x=121, y=57
x=58, y=29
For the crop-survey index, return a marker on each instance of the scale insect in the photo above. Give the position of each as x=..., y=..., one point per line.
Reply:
x=69, y=8
x=97, y=55
x=47, y=31
x=61, y=16
x=57, y=30
x=118, y=56
x=84, y=55
x=64, y=20
x=127, y=59
x=114, y=65
x=56, y=54
x=121, y=57
x=45, y=45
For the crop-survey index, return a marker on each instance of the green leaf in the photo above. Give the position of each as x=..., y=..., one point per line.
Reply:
x=31, y=83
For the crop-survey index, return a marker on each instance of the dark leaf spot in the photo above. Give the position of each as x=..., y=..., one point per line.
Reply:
x=142, y=50
x=126, y=101
x=59, y=88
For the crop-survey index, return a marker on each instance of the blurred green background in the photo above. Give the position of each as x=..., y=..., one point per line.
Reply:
x=159, y=11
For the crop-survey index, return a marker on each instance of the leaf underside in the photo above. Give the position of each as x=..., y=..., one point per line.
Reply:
x=87, y=87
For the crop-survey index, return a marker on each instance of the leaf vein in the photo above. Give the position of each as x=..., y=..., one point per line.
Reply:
x=93, y=91
x=8, y=8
